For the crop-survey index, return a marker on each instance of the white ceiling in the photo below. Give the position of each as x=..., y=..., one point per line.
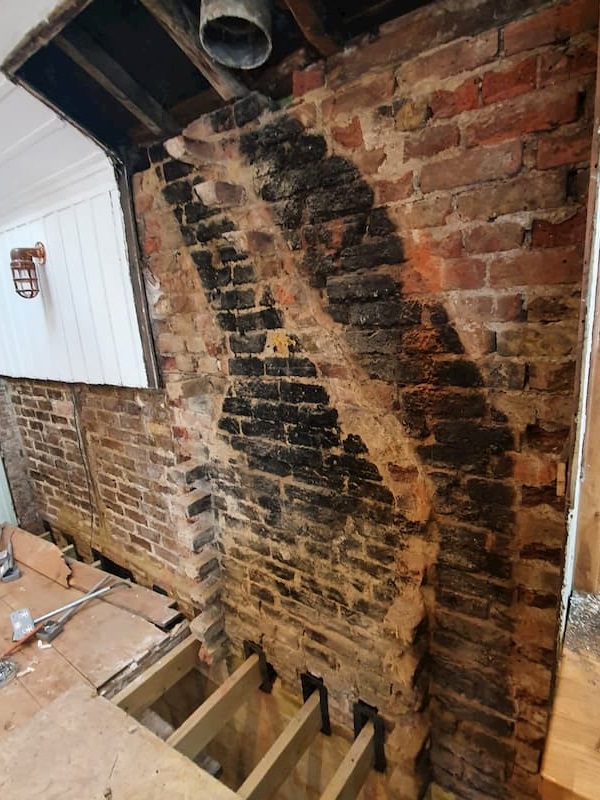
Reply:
x=40, y=154
x=18, y=17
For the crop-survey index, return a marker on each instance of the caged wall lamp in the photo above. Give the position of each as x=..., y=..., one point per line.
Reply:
x=23, y=264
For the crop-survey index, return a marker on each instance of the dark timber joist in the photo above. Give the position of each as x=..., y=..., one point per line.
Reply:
x=311, y=26
x=99, y=65
x=177, y=21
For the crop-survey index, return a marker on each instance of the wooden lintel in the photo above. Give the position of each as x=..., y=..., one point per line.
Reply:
x=43, y=33
x=141, y=693
x=177, y=21
x=311, y=25
x=81, y=48
x=205, y=723
x=354, y=769
x=284, y=754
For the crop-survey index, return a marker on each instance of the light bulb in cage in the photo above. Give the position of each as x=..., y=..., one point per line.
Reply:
x=24, y=262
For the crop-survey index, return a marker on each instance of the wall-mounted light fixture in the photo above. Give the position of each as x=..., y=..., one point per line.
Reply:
x=23, y=263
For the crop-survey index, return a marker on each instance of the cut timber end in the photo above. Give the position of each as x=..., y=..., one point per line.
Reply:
x=158, y=679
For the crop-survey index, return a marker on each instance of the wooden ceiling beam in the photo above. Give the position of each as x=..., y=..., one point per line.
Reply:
x=81, y=48
x=175, y=18
x=311, y=25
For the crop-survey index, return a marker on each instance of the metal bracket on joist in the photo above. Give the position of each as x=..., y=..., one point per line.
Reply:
x=311, y=684
x=363, y=715
x=267, y=670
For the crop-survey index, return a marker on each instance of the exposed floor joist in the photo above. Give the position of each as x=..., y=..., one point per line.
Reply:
x=141, y=693
x=311, y=25
x=204, y=724
x=177, y=21
x=354, y=769
x=83, y=50
x=282, y=757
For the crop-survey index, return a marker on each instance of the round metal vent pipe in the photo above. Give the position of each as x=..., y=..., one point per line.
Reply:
x=236, y=33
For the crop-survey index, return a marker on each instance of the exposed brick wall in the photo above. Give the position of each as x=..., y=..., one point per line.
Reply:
x=110, y=475
x=15, y=465
x=365, y=307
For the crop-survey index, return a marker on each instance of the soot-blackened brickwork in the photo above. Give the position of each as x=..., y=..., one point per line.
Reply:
x=324, y=202
x=324, y=529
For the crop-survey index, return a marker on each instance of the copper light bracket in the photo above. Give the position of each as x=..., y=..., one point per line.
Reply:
x=23, y=264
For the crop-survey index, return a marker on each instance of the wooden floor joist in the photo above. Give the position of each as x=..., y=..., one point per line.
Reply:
x=285, y=753
x=141, y=693
x=354, y=769
x=206, y=722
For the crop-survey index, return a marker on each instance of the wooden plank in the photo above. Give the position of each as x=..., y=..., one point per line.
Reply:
x=354, y=769
x=42, y=556
x=102, y=640
x=83, y=746
x=154, y=682
x=585, y=470
x=571, y=763
x=282, y=757
x=152, y=606
x=311, y=25
x=108, y=73
x=177, y=21
x=204, y=724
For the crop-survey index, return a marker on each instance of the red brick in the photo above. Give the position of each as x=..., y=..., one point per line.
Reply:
x=425, y=271
x=556, y=234
x=560, y=65
x=449, y=103
x=536, y=268
x=430, y=141
x=554, y=25
x=552, y=377
x=506, y=83
x=490, y=307
x=428, y=213
x=458, y=56
x=483, y=164
x=349, y=136
x=525, y=193
x=366, y=94
x=494, y=237
x=571, y=148
x=538, y=111
x=392, y=191
x=368, y=161
x=307, y=80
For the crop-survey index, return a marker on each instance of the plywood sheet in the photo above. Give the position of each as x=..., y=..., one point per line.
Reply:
x=145, y=603
x=42, y=556
x=101, y=640
x=17, y=706
x=83, y=746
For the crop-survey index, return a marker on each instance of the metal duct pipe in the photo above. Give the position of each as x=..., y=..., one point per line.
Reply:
x=236, y=33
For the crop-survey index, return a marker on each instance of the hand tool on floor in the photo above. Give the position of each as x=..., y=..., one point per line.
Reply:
x=9, y=570
x=24, y=625
x=52, y=627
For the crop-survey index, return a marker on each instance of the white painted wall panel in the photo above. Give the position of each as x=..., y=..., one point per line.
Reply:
x=7, y=511
x=82, y=326
x=59, y=187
